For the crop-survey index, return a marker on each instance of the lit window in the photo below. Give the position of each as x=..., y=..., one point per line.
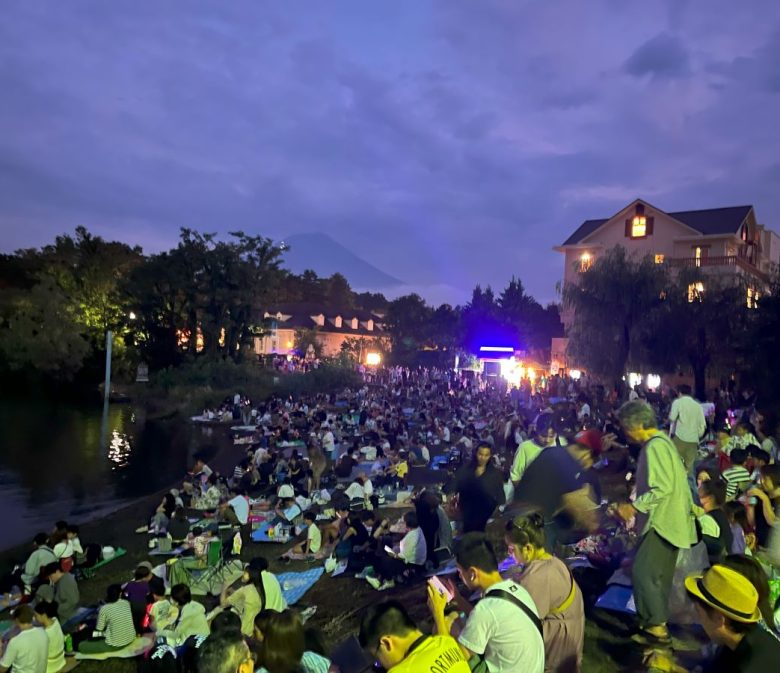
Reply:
x=695, y=291
x=639, y=226
x=697, y=256
x=659, y=259
x=752, y=297
x=586, y=261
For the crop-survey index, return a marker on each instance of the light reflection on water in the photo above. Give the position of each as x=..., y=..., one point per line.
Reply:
x=52, y=465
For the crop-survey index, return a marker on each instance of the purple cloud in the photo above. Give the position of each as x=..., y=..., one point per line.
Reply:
x=445, y=142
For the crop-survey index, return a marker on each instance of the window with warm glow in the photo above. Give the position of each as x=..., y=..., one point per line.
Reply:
x=695, y=291
x=639, y=226
x=659, y=259
x=697, y=255
x=586, y=261
x=752, y=297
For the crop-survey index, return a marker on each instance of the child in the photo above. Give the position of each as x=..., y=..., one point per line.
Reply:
x=738, y=522
x=136, y=592
x=311, y=547
x=161, y=613
x=737, y=477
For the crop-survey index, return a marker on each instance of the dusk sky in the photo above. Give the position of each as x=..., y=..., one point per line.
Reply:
x=447, y=142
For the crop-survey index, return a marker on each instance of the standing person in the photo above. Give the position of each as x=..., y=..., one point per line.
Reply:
x=503, y=628
x=543, y=435
x=390, y=636
x=28, y=651
x=664, y=518
x=480, y=489
x=688, y=426
x=556, y=595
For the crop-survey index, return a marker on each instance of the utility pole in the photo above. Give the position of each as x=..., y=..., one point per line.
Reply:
x=106, y=392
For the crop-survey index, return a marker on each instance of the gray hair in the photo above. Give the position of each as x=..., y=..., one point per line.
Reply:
x=637, y=414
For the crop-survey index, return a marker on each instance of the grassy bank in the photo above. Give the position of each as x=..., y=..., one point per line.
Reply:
x=191, y=387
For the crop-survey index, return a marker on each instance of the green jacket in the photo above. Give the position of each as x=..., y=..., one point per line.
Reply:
x=664, y=501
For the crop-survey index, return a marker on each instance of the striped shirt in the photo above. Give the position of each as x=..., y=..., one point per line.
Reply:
x=116, y=621
x=737, y=479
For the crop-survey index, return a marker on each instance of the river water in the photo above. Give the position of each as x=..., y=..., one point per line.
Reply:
x=53, y=464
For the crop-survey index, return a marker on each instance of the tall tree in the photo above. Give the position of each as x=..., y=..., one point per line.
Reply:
x=610, y=301
x=701, y=325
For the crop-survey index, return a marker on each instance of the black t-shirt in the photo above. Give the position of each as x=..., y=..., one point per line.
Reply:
x=548, y=478
x=758, y=652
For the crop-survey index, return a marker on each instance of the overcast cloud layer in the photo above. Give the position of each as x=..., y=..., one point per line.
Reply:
x=447, y=143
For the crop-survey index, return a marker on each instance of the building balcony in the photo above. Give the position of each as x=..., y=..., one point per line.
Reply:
x=724, y=260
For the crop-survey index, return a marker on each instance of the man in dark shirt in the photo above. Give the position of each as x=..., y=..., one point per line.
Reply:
x=727, y=605
x=554, y=484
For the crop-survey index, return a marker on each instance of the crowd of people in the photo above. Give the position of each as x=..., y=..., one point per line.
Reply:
x=500, y=490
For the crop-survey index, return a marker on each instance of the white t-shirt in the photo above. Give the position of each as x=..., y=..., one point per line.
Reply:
x=503, y=633
x=27, y=652
x=368, y=488
x=413, y=548
x=584, y=411
x=688, y=418
x=314, y=535
x=445, y=434
x=240, y=506
x=56, y=659
x=328, y=441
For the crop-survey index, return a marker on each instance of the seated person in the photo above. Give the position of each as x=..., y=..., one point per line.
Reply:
x=287, y=509
x=191, y=620
x=179, y=525
x=712, y=522
x=408, y=560
x=46, y=616
x=210, y=498
x=114, y=629
x=41, y=556
x=344, y=466
x=336, y=528
x=236, y=510
x=60, y=588
x=137, y=591
x=161, y=613
x=311, y=547
x=68, y=550
x=389, y=635
x=28, y=650
x=354, y=536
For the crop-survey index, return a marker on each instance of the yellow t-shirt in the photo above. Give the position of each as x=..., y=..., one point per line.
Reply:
x=435, y=654
x=401, y=469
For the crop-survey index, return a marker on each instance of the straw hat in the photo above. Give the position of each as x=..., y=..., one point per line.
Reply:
x=728, y=591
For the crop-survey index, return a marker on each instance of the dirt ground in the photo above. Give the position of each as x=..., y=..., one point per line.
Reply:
x=339, y=600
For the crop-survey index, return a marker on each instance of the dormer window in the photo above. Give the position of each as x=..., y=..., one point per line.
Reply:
x=353, y=323
x=639, y=226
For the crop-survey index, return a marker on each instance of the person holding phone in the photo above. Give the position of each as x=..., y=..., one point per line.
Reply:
x=408, y=560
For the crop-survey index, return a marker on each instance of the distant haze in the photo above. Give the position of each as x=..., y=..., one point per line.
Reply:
x=320, y=253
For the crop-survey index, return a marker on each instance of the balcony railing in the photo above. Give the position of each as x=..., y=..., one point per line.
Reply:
x=724, y=260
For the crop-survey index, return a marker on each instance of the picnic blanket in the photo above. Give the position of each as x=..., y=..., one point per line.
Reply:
x=618, y=598
x=294, y=585
x=10, y=600
x=90, y=572
x=260, y=534
x=80, y=615
x=138, y=647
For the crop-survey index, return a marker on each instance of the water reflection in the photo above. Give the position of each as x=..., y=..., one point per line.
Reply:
x=52, y=465
x=119, y=450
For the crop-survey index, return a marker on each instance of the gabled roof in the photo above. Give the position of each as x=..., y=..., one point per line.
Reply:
x=708, y=222
x=584, y=230
x=715, y=220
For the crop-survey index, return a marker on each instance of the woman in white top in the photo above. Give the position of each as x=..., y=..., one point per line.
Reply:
x=191, y=620
x=46, y=614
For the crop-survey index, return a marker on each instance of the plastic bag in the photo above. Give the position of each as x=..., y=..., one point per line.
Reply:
x=689, y=561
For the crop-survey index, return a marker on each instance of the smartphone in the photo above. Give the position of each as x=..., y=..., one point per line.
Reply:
x=389, y=550
x=437, y=584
